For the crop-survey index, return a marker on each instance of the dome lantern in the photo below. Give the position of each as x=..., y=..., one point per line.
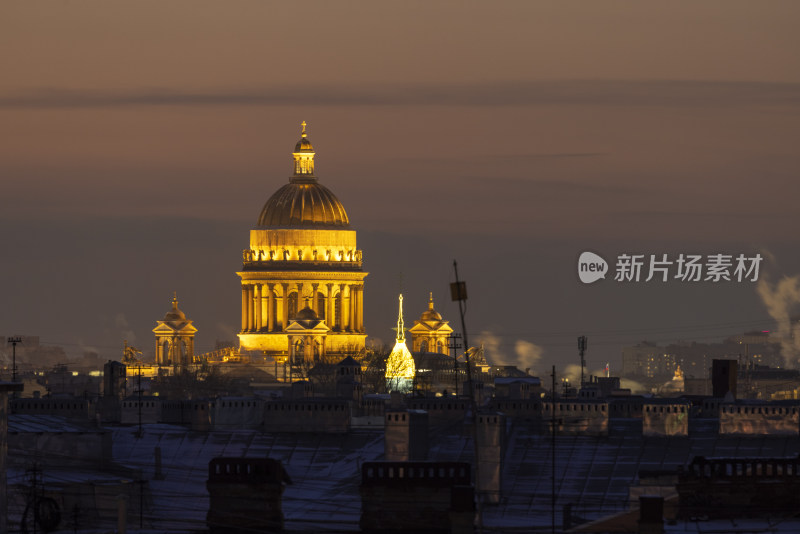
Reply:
x=303, y=157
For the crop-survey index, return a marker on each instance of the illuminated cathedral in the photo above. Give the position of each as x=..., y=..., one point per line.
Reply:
x=302, y=280
x=302, y=291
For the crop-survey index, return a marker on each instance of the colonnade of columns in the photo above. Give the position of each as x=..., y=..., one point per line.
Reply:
x=265, y=306
x=174, y=350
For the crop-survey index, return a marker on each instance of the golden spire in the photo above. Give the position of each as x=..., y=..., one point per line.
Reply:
x=401, y=335
x=303, y=133
x=430, y=301
x=175, y=301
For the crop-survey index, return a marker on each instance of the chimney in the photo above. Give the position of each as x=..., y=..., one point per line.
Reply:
x=651, y=514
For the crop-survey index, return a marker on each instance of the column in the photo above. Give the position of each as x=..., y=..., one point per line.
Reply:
x=244, y=307
x=258, y=307
x=249, y=308
x=270, y=310
x=330, y=320
x=352, y=323
x=285, y=306
x=342, y=309
x=360, y=308
x=301, y=303
x=314, y=303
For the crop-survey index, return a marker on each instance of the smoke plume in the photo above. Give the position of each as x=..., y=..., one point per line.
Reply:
x=526, y=355
x=125, y=330
x=781, y=300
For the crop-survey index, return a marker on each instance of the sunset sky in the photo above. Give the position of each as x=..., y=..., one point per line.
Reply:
x=139, y=141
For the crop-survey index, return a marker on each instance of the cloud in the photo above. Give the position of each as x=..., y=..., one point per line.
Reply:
x=693, y=93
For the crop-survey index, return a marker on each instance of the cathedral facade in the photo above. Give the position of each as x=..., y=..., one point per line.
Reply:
x=302, y=279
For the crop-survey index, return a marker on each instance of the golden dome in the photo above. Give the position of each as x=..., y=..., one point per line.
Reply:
x=306, y=314
x=175, y=314
x=303, y=201
x=303, y=145
x=430, y=314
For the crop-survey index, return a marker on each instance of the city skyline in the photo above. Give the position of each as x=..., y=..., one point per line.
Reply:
x=139, y=143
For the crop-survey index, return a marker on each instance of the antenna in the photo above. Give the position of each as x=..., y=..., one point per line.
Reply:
x=14, y=340
x=458, y=291
x=582, y=349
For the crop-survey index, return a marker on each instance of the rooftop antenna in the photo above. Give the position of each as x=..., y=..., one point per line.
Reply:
x=14, y=340
x=553, y=449
x=582, y=350
x=458, y=291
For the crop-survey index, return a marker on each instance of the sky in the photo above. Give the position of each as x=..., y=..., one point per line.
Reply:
x=139, y=141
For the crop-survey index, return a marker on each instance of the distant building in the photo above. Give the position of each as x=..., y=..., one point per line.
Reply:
x=174, y=338
x=648, y=360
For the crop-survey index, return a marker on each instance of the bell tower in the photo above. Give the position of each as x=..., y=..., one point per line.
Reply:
x=174, y=338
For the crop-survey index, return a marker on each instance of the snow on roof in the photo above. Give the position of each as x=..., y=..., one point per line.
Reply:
x=593, y=472
x=20, y=423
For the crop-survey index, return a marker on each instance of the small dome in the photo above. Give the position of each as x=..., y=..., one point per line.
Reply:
x=303, y=202
x=175, y=314
x=430, y=314
x=306, y=314
x=303, y=145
